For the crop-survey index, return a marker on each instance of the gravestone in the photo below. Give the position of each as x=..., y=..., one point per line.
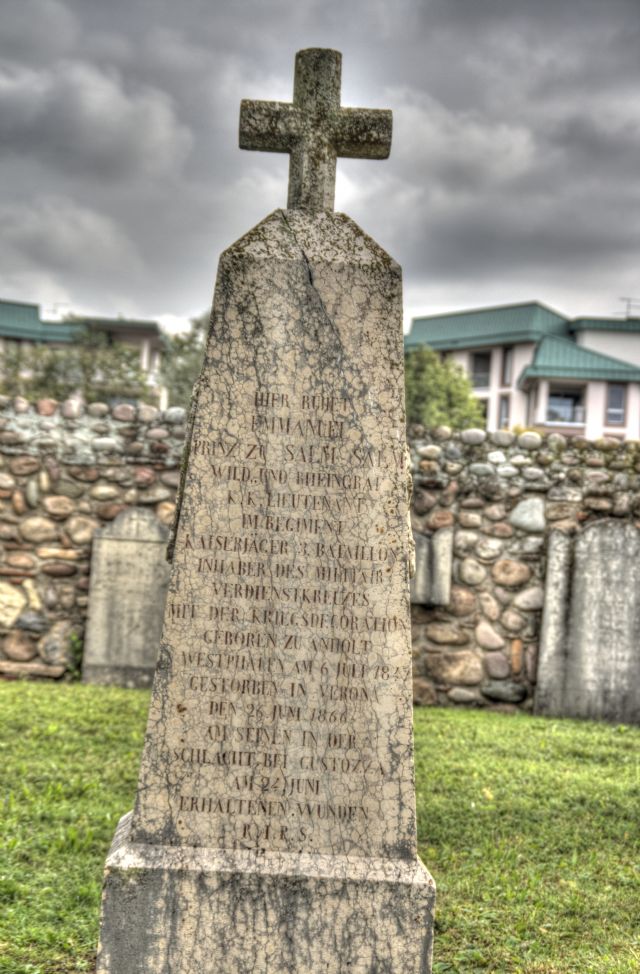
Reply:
x=589, y=662
x=431, y=582
x=129, y=579
x=274, y=826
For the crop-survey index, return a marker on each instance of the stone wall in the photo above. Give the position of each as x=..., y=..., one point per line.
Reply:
x=502, y=494
x=66, y=470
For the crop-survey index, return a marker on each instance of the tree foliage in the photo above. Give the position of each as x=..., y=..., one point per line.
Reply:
x=438, y=392
x=90, y=367
x=182, y=361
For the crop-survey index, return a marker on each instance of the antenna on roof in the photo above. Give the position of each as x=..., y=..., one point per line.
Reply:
x=631, y=303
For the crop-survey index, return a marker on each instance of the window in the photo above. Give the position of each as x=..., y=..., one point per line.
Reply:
x=503, y=412
x=565, y=405
x=507, y=366
x=480, y=369
x=616, y=396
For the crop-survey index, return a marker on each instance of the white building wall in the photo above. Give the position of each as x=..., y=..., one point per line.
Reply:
x=624, y=345
x=633, y=412
x=595, y=402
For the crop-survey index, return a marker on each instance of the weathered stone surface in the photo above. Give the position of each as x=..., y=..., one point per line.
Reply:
x=276, y=928
x=431, y=583
x=469, y=519
x=489, y=549
x=505, y=691
x=442, y=632
x=124, y=412
x=46, y=407
x=104, y=492
x=23, y=466
x=489, y=605
x=424, y=692
x=32, y=668
x=109, y=510
x=440, y=519
x=37, y=528
x=528, y=515
x=129, y=578
x=307, y=321
x=487, y=637
x=590, y=646
x=512, y=620
x=463, y=666
x=530, y=598
x=465, y=542
x=463, y=695
x=517, y=656
x=55, y=647
x=529, y=441
x=473, y=436
x=463, y=601
x=58, y=506
x=58, y=569
x=19, y=646
x=64, y=554
x=20, y=560
x=472, y=572
x=72, y=409
x=511, y=573
x=497, y=665
x=98, y=409
x=31, y=620
x=165, y=512
x=81, y=529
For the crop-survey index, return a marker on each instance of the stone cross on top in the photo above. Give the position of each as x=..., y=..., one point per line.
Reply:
x=314, y=130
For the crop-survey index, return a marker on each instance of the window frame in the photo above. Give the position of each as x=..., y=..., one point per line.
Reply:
x=472, y=370
x=623, y=409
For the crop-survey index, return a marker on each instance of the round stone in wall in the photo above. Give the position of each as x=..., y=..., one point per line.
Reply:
x=474, y=437
x=528, y=515
x=487, y=637
x=38, y=528
x=511, y=573
x=19, y=646
x=472, y=572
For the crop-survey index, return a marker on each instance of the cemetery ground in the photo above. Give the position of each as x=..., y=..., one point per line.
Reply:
x=529, y=825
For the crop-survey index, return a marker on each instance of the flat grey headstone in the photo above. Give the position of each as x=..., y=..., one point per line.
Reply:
x=274, y=828
x=431, y=582
x=589, y=664
x=128, y=588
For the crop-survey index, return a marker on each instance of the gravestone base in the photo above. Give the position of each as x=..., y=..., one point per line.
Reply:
x=184, y=909
x=129, y=677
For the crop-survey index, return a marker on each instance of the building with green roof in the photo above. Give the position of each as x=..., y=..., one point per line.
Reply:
x=531, y=366
x=21, y=322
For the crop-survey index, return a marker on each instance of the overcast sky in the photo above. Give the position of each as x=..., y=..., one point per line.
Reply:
x=514, y=171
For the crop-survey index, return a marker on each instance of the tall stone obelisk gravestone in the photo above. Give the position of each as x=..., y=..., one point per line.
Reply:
x=274, y=826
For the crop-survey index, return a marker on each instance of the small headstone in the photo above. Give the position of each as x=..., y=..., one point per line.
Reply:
x=589, y=664
x=431, y=583
x=274, y=828
x=129, y=579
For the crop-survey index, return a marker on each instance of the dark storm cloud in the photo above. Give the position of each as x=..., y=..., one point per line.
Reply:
x=514, y=162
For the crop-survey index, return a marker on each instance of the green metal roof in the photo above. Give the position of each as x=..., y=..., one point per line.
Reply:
x=506, y=324
x=606, y=324
x=22, y=321
x=561, y=358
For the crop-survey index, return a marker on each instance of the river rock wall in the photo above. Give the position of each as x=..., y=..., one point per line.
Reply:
x=67, y=469
x=502, y=494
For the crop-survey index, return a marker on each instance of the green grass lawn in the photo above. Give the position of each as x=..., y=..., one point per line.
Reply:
x=530, y=827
